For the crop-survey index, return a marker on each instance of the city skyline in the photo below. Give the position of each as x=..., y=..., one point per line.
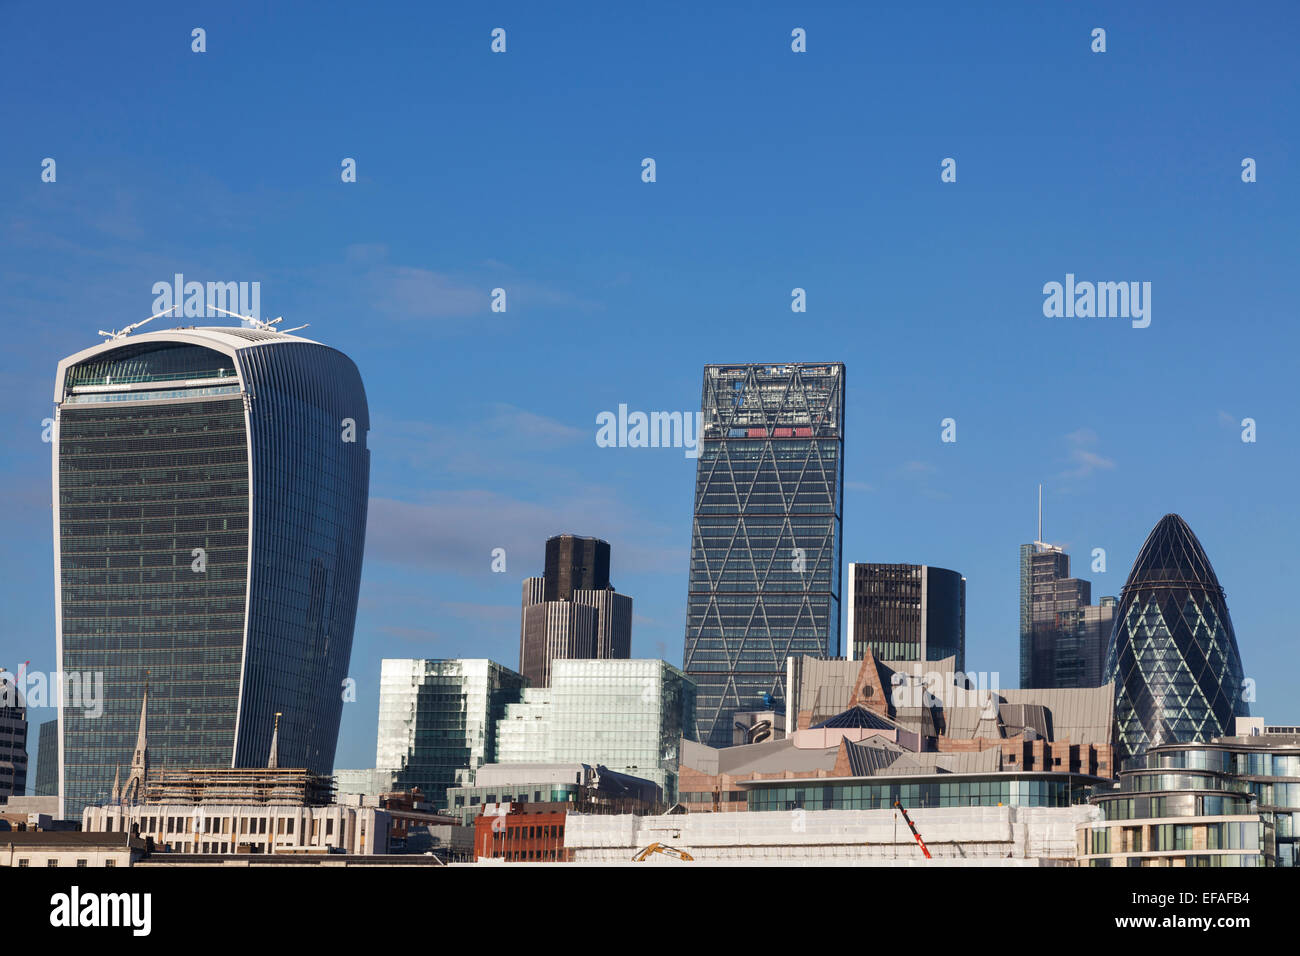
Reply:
x=358, y=667
x=930, y=291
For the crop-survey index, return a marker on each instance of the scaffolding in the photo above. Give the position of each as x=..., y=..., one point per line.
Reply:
x=242, y=786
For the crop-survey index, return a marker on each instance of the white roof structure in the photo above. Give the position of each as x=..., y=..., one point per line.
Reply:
x=225, y=339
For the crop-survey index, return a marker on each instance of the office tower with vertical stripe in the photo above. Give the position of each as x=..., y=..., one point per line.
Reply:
x=210, y=492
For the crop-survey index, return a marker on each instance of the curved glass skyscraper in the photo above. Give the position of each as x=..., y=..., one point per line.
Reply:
x=1173, y=654
x=210, y=490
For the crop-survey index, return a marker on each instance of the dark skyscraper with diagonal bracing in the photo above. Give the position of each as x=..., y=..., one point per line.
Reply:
x=1173, y=654
x=210, y=491
x=765, y=543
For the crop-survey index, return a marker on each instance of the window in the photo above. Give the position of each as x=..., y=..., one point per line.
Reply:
x=110, y=862
x=23, y=862
x=81, y=863
x=51, y=862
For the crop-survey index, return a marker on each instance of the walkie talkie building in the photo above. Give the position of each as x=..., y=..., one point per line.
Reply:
x=765, y=544
x=210, y=491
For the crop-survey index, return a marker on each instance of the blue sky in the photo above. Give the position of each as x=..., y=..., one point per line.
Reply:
x=775, y=170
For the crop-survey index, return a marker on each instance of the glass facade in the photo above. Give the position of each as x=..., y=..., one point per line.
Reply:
x=907, y=612
x=971, y=790
x=524, y=732
x=47, y=760
x=1173, y=655
x=765, y=543
x=438, y=721
x=209, y=536
x=626, y=715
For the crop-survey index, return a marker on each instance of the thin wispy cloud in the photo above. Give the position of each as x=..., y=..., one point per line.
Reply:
x=1083, y=457
x=457, y=531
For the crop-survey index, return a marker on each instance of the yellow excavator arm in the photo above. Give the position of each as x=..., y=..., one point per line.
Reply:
x=663, y=848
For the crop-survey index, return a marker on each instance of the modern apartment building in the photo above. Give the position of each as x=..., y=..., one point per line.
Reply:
x=1232, y=801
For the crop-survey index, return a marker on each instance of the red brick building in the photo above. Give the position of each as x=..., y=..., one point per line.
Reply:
x=527, y=832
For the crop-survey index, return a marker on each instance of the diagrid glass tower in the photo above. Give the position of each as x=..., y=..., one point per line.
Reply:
x=765, y=545
x=1173, y=654
x=210, y=489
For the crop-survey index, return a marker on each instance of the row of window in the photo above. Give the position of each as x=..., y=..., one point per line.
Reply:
x=53, y=861
x=974, y=793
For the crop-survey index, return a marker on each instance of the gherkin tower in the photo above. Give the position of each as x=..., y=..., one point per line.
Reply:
x=1173, y=655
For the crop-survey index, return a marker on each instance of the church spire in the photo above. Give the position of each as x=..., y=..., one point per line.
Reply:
x=274, y=762
x=117, y=784
x=134, y=789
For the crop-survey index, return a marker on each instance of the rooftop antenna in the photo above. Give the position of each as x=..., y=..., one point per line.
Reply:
x=123, y=333
x=1040, y=512
x=259, y=324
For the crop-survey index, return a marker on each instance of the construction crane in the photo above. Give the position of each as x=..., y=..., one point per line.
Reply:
x=911, y=826
x=663, y=848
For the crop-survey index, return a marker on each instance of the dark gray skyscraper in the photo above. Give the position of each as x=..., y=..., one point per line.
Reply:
x=13, y=738
x=1051, y=612
x=572, y=611
x=47, y=760
x=765, y=542
x=907, y=612
x=210, y=490
x=573, y=563
x=1063, y=636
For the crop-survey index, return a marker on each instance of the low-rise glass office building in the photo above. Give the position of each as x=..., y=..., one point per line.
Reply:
x=437, y=720
x=628, y=715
